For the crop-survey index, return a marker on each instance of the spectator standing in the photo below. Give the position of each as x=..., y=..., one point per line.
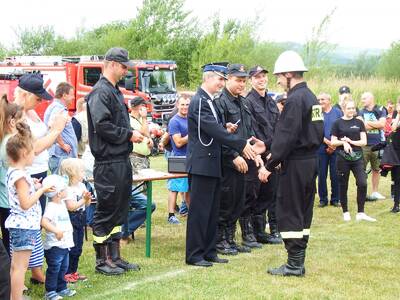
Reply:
x=327, y=154
x=58, y=239
x=349, y=135
x=29, y=93
x=374, y=117
x=66, y=144
x=178, y=131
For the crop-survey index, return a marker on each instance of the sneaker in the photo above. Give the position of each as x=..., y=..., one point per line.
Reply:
x=67, y=293
x=346, y=216
x=80, y=277
x=377, y=195
x=70, y=278
x=363, y=216
x=173, y=220
x=183, y=210
x=395, y=209
x=52, y=296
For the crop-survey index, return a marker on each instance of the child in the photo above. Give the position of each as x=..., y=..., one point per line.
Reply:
x=23, y=222
x=73, y=168
x=58, y=239
x=10, y=114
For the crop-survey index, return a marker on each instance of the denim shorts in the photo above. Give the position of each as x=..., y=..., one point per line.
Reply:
x=22, y=239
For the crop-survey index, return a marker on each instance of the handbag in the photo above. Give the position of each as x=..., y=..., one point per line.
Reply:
x=352, y=156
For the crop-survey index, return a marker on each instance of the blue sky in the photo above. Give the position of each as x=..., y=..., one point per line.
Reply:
x=361, y=24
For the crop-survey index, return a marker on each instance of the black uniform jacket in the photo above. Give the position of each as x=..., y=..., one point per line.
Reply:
x=108, y=122
x=265, y=114
x=233, y=109
x=206, y=160
x=300, y=129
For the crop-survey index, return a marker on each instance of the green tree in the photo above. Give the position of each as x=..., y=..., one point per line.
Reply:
x=38, y=40
x=389, y=66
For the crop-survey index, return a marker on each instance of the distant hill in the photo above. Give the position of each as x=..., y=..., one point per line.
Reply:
x=341, y=55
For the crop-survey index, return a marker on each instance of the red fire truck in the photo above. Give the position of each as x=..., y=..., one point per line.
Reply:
x=153, y=80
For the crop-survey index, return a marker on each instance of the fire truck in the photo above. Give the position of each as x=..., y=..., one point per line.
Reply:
x=154, y=80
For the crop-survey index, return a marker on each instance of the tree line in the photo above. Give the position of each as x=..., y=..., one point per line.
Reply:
x=162, y=29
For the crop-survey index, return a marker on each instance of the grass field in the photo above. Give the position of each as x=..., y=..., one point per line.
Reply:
x=344, y=261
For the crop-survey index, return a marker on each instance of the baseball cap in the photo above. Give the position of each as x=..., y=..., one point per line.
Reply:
x=119, y=55
x=59, y=183
x=137, y=101
x=344, y=90
x=257, y=70
x=237, y=70
x=33, y=83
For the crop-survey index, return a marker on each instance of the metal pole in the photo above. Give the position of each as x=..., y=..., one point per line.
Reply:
x=148, y=217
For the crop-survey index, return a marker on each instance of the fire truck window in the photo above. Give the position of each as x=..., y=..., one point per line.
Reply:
x=91, y=76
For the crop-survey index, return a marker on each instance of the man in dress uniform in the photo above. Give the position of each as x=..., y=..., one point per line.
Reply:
x=110, y=140
x=298, y=135
x=206, y=136
x=261, y=197
x=233, y=110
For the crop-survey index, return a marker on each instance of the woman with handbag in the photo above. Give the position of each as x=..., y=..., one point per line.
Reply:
x=348, y=134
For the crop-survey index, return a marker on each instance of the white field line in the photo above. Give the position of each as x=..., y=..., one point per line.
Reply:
x=132, y=285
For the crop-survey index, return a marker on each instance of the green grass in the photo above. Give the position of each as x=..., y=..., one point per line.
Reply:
x=344, y=261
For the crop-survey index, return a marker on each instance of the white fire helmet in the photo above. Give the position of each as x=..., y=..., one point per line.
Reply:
x=289, y=61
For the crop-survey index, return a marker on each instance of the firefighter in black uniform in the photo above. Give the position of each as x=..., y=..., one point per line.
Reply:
x=110, y=140
x=206, y=136
x=261, y=197
x=298, y=134
x=233, y=110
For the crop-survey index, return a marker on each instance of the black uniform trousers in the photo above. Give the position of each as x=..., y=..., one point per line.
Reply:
x=260, y=197
x=233, y=196
x=113, y=184
x=4, y=273
x=295, y=200
x=201, y=231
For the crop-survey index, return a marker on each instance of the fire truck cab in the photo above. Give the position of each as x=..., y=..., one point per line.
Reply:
x=154, y=80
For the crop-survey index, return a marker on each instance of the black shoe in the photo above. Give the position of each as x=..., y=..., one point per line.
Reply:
x=336, y=204
x=395, y=209
x=249, y=240
x=104, y=265
x=201, y=263
x=226, y=249
x=285, y=270
x=109, y=269
x=217, y=260
x=322, y=204
x=294, y=265
x=274, y=239
x=115, y=255
x=126, y=265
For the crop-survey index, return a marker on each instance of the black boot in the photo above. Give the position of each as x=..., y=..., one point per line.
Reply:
x=222, y=245
x=259, y=222
x=248, y=237
x=395, y=208
x=104, y=265
x=230, y=235
x=115, y=256
x=274, y=237
x=294, y=265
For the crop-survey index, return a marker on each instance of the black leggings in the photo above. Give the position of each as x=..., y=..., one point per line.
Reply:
x=396, y=186
x=343, y=168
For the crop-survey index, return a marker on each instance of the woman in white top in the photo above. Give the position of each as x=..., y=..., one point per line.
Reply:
x=28, y=94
